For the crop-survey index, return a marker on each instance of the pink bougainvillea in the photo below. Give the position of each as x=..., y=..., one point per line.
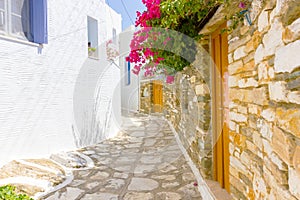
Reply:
x=152, y=12
x=111, y=50
x=169, y=79
x=142, y=55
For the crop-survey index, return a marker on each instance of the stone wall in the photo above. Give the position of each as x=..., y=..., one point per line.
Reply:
x=264, y=118
x=264, y=81
x=187, y=107
x=145, y=97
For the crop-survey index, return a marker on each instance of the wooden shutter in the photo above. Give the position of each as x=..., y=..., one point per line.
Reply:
x=39, y=25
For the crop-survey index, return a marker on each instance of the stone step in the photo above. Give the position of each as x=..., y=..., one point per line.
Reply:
x=219, y=193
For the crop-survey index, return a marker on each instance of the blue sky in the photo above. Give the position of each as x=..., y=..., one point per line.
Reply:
x=131, y=5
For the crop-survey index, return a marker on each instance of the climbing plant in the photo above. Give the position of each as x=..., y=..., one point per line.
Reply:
x=148, y=46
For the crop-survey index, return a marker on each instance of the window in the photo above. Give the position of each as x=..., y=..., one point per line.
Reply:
x=92, y=25
x=2, y=15
x=127, y=72
x=24, y=19
x=114, y=33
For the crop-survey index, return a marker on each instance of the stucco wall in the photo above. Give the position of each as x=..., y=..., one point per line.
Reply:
x=129, y=92
x=36, y=89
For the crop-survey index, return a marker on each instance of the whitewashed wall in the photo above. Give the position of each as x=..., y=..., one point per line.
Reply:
x=129, y=93
x=36, y=89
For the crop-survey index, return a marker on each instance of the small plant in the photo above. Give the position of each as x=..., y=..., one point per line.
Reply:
x=92, y=49
x=7, y=192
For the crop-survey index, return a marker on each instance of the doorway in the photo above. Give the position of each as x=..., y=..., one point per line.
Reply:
x=157, y=96
x=220, y=130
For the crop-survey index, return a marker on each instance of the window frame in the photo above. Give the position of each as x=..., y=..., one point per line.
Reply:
x=114, y=36
x=93, y=38
x=8, y=22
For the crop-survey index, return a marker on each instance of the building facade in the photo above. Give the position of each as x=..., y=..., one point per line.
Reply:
x=49, y=52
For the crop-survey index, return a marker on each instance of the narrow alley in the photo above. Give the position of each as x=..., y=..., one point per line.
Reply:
x=143, y=162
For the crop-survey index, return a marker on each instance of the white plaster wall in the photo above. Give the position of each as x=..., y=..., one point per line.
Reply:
x=36, y=90
x=129, y=93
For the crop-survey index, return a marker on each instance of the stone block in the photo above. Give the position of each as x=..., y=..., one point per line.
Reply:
x=233, y=171
x=242, y=109
x=265, y=129
x=253, y=122
x=292, y=32
x=287, y=58
x=289, y=120
x=278, y=161
x=249, y=57
x=257, y=140
x=294, y=97
x=246, y=83
x=296, y=159
x=238, y=184
x=248, y=67
x=281, y=177
x=260, y=54
x=232, y=125
x=263, y=21
x=256, y=96
x=273, y=38
x=278, y=91
x=268, y=176
x=283, y=145
x=267, y=147
x=193, y=79
x=237, y=42
x=240, y=141
x=230, y=58
x=256, y=6
x=271, y=72
x=294, y=84
x=294, y=182
x=259, y=187
x=244, y=29
x=281, y=192
x=233, y=81
x=237, y=117
x=249, y=47
x=234, y=67
x=239, y=53
x=262, y=71
x=201, y=89
x=256, y=39
x=246, y=158
x=268, y=114
x=236, y=163
x=253, y=147
x=253, y=109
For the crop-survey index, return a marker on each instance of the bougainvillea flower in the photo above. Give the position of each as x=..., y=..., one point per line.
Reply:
x=242, y=5
x=169, y=79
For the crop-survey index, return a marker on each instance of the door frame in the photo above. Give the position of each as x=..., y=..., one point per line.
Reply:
x=157, y=96
x=220, y=130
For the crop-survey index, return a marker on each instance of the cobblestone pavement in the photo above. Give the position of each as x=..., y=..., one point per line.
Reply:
x=143, y=162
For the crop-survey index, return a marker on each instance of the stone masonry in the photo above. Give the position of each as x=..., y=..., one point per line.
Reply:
x=187, y=107
x=264, y=117
x=264, y=68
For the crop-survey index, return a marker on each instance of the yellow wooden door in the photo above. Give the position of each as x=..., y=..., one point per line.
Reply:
x=157, y=96
x=220, y=107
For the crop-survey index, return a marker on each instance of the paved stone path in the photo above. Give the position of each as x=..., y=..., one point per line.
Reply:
x=143, y=162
